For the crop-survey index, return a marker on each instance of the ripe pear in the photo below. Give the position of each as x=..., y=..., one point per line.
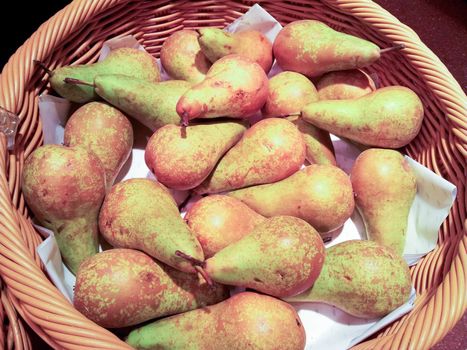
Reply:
x=127, y=61
x=319, y=194
x=234, y=87
x=182, y=157
x=64, y=187
x=385, y=187
x=182, y=58
x=123, y=287
x=103, y=130
x=362, y=278
x=216, y=43
x=389, y=117
x=141, y=214
x=217, y=221
x=345, y=84
x=269, y=151
x=282, y=256
x=246, y=321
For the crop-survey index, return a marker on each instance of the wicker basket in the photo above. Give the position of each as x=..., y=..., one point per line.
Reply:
x=75, y=35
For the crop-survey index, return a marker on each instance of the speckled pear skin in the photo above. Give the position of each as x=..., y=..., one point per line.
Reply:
x=389, y=117
x=218, y=221
x=182, y=58
x=182, y=157
x=312, y=48
x=246, y=321
x=362, y=278
x=319, y=148
x=234, y=86
x=123, y=287
x=152, y=104
x=281, y=256
x=344, y=85
x=64, y=187
x=141, y=214
x=269, y=151
x=385, y=187
x=319, y=194
x=128, y=61
x=104, y=130
x=217, y=43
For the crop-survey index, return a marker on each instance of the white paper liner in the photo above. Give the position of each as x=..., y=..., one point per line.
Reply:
x=326, y=327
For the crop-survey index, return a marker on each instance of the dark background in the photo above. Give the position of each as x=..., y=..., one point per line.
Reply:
x=441, y=24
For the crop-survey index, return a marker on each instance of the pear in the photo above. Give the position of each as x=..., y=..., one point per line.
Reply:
x=123, y=287
x=103, y=130
x=281, y=257
x=182, y=157
x=246, y=321
x=362, y=278
x=182, y=58
x=64, y=187
x=385, y=187
x=128, y=61
x=346, y=84
x=269, y=151
x=217, y=43
x=217, y=221
x=234, y=87
x=141, y=214
x=389, y=117
x=319, y=194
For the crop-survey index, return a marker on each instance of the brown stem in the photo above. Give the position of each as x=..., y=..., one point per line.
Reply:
x=185, y=120
x=189, y=258
x=392, y=48
x=74, y=81
x=204, y=274
x=44, y=67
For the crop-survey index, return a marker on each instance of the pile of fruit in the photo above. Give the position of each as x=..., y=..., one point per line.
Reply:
x=271, y=191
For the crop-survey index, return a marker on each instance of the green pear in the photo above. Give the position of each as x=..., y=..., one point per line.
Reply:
x=385, y=186
x=362, y=278
x=132, y=62
x=234, y=87
x=217, y=221
x=182, y=157
x=123, y=287
x=312, y=48
x=141, y=214
x=246, y=321
x=64, y=187
x=389, y=117
x=182, y=58
x=103, y=130
x=269, y=151
x=319, y=194
x=282, y=256
x=345, y=84
x=217, y=43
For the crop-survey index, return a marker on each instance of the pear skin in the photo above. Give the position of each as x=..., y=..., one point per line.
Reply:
x=312, y=48
x=246, y=321
x=234, y=86
x=269, y=151
x=64, y=187
x=141, y=214
x=344, y=85
x=123, y=287
x=182, y=157
x=217, y=43
x=281, y=257
x=385, y=187
x=103, y=130
x=362, y=278
x=127, y=61
x=217, y=221
x=389, y=117
x=152, y=104
x=319, y=194
x=182, y=58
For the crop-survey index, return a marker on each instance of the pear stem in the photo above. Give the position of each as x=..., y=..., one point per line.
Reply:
x=204, y=274
x=74, y=81
x=44, y=67
x=392, y=48
x=185, y=119
x=198, y=265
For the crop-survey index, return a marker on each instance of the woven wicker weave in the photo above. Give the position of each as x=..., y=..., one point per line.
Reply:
x=75, y=35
